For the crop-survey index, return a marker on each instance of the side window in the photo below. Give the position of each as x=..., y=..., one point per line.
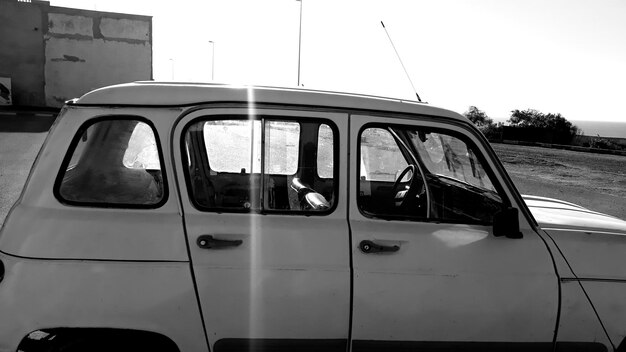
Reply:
x=381, y=159
x=113, y=162
x=383, y=180
x=260, y=165
x=325, y=157
x=241, y=137
x=281, y=152
x=448, y=183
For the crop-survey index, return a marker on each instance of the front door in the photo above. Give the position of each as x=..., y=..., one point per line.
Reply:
x=264, y=205
x=429, y=275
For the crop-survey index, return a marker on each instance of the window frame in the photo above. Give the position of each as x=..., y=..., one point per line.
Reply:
x=506, y=202
x=262, y=117
x=70, y=152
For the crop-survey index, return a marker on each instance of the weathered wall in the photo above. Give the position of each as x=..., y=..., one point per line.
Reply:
x=21, y=51
x=53, y=54
x=85, y=50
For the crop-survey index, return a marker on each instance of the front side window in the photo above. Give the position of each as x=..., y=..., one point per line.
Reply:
x=381, y=159
x=263, y=164
x=113, y=163
x=423, y=174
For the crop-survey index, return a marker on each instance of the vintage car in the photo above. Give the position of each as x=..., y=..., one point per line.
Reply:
x=196, y=217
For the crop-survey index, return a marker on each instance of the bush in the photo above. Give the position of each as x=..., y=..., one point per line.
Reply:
x=563, y=131
x=603, y=143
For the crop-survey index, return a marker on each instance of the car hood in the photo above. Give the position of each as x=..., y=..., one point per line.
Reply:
x=557, y=214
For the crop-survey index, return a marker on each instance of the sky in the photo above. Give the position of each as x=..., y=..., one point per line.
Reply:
x=558, y=56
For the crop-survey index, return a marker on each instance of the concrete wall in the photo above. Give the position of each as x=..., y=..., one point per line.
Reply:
x=53, y=54
x=21, y=51
x=85, y=50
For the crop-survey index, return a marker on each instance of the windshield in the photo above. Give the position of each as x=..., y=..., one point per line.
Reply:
x=447, y=156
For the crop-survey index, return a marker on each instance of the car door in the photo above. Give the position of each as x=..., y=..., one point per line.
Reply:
x=429, y=274
x=264, y=204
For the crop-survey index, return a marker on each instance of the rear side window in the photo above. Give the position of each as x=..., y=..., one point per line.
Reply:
x=113, y=163
x=265, y=164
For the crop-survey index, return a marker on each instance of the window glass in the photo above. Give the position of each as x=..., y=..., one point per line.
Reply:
x=325, y=151
x=281, y=153
x=455, y=186
x=242, y=140
x=385, y=177
x=114, y=162
x=381, y=159
x=221, y=153
x=448, y=156
x=142, y=151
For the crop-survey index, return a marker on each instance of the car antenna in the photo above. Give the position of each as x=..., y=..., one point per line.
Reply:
x=401, y=63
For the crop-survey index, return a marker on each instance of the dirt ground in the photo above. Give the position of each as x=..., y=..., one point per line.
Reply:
x=595, y=181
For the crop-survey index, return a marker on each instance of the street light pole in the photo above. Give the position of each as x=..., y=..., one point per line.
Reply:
x=299, y=41
x=212, y=59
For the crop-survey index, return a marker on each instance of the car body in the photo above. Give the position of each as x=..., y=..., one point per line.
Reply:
x=200, y=217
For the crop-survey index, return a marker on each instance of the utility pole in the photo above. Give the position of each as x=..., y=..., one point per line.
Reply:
x=299, y=41
x=212, y=59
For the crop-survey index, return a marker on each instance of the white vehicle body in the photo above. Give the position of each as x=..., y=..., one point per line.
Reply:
x=274, y=255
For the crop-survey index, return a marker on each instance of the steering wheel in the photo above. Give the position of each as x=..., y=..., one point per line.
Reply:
x=412, y=190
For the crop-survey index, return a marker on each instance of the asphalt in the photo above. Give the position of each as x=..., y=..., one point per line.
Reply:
x=22, y=133
x=25, y=121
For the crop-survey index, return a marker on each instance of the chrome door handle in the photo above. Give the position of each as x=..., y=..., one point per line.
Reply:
x=209, y=242
x=368, y=247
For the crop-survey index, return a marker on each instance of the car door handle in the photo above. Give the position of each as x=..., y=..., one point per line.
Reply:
x=368, y=246
x=210, y=242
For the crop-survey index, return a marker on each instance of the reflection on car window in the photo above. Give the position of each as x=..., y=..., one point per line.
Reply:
x=447, y=183
x=448, y=156
x=226, y=171
x=142, y=151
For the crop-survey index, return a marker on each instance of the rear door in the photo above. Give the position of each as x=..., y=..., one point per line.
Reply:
x=264, y=204
x=429, y=275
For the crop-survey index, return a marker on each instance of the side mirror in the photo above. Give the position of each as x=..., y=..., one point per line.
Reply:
x=506, y=223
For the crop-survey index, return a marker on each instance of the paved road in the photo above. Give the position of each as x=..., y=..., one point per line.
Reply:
x=26, y=121
x=21, y=137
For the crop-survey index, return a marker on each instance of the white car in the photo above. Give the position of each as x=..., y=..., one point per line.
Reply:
x=192, y=217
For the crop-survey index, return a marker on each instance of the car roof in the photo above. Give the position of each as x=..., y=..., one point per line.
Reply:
x=151, y=93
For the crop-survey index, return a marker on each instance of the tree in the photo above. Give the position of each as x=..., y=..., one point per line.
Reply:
x=484, y=123
x=478, y=117
x=563, y=130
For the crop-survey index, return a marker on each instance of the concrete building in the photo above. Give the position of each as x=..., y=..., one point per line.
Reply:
x=51, y=54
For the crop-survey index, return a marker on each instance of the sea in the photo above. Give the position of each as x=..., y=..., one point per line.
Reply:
x=595, y=128
x=602, y=128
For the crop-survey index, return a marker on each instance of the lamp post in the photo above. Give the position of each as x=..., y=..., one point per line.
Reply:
x=212, y=59
x=299, y=40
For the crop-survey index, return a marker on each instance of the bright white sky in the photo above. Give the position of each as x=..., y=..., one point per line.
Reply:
x=566, y=56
